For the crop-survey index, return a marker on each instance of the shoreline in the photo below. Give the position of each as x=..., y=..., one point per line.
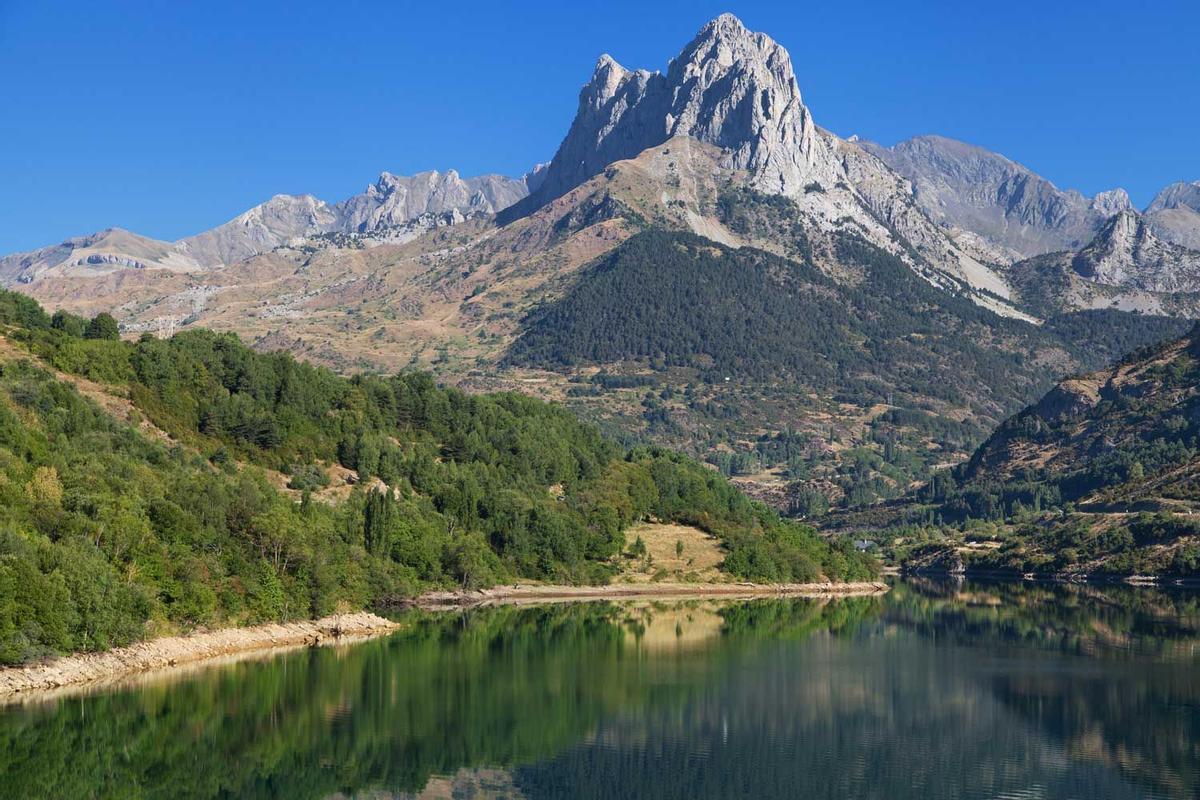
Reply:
x=1079, y=578
x=518, y=594
x=163, y=657
x=168, y=654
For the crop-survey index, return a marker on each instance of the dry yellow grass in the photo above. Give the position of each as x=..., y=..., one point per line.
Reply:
x=699, y=561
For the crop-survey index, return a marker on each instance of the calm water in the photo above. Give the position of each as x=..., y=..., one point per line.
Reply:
x=935, y=691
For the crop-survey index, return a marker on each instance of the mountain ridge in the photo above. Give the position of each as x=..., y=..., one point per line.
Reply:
x=390, y=202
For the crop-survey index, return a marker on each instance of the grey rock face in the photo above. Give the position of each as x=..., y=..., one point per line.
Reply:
x=1112, y=202
x=729, y=87
x=1174, y=214
x=104, y=251
x=282, y=219
x=1005, y=203
x=1177, y=195
x=400, y=205
x=1127, y=253
x=395, y=200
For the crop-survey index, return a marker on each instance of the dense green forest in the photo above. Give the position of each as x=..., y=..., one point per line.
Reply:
x=677, y=299
x=108, y=533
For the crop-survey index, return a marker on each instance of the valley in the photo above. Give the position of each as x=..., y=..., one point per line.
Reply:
x=832, y=325
x=522, y=401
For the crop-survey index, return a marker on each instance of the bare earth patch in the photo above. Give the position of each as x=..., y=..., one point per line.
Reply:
x=698, y=561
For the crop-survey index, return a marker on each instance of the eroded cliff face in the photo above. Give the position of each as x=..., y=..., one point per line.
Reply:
x=396, y=200
x=1174, y=214
x=729, y=87
x=1127, y=253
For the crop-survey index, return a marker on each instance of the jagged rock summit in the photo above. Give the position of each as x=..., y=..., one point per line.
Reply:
x=1127, y=253
x=418, y=202
x=394, y=199
x=1174, y=214
x=729, y=87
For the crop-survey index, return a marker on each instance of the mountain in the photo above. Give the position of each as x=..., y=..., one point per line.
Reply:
x=420, y=202
x=97, y=254
x=1126, y=252
x=729, y=87
x=1016, y=213
x=282, y=219
x=1085, y=436
x=1012, y=208
x=1126, y=266
x=394, y=200
x=735, y=89
x=739, y=284
x=1174, y=214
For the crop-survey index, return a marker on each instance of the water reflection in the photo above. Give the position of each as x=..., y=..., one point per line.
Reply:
x=932, y=691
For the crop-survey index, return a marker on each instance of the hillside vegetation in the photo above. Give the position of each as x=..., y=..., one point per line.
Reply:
x=1102, y=476
x=849, y=383
x=108, y=533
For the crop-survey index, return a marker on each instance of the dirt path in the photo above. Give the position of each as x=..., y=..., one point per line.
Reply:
x=40, y=681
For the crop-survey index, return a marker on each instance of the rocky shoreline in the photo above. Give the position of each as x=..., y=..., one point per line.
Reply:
x=17, y=683
x=539, y=593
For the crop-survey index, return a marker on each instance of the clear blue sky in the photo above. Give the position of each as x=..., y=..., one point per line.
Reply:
x=170, y=117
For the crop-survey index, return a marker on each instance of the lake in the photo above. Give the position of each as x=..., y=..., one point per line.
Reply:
x=936, y=690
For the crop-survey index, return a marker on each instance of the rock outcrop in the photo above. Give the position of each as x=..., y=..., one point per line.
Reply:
x=395, y=200
x=729, y=87
x=1127, y=253
x=1174, y=214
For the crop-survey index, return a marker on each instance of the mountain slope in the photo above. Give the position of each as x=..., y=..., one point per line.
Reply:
x=1174, y=214
x=679, y=300
x=1100, y=477
x=1086, y=436
x=1005, y=203
x=420, y=201
x=110, y=529
x=97, y=254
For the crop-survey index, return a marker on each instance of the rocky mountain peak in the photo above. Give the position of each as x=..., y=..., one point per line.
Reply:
x=1177, y=195
x=1127, y=253
x=729, y=87
x=606, y=78
x=1174, y=214
x=394, y=200
x=1114, y=201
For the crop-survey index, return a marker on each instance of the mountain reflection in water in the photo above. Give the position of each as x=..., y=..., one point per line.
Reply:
x=932, y=691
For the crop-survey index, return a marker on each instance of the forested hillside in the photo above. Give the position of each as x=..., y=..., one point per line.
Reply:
x=865, y=378
x=1102, y=476
x=108, y=533
x=681, y=300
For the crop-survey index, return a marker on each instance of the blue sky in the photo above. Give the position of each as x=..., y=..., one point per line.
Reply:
x=168, y=118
